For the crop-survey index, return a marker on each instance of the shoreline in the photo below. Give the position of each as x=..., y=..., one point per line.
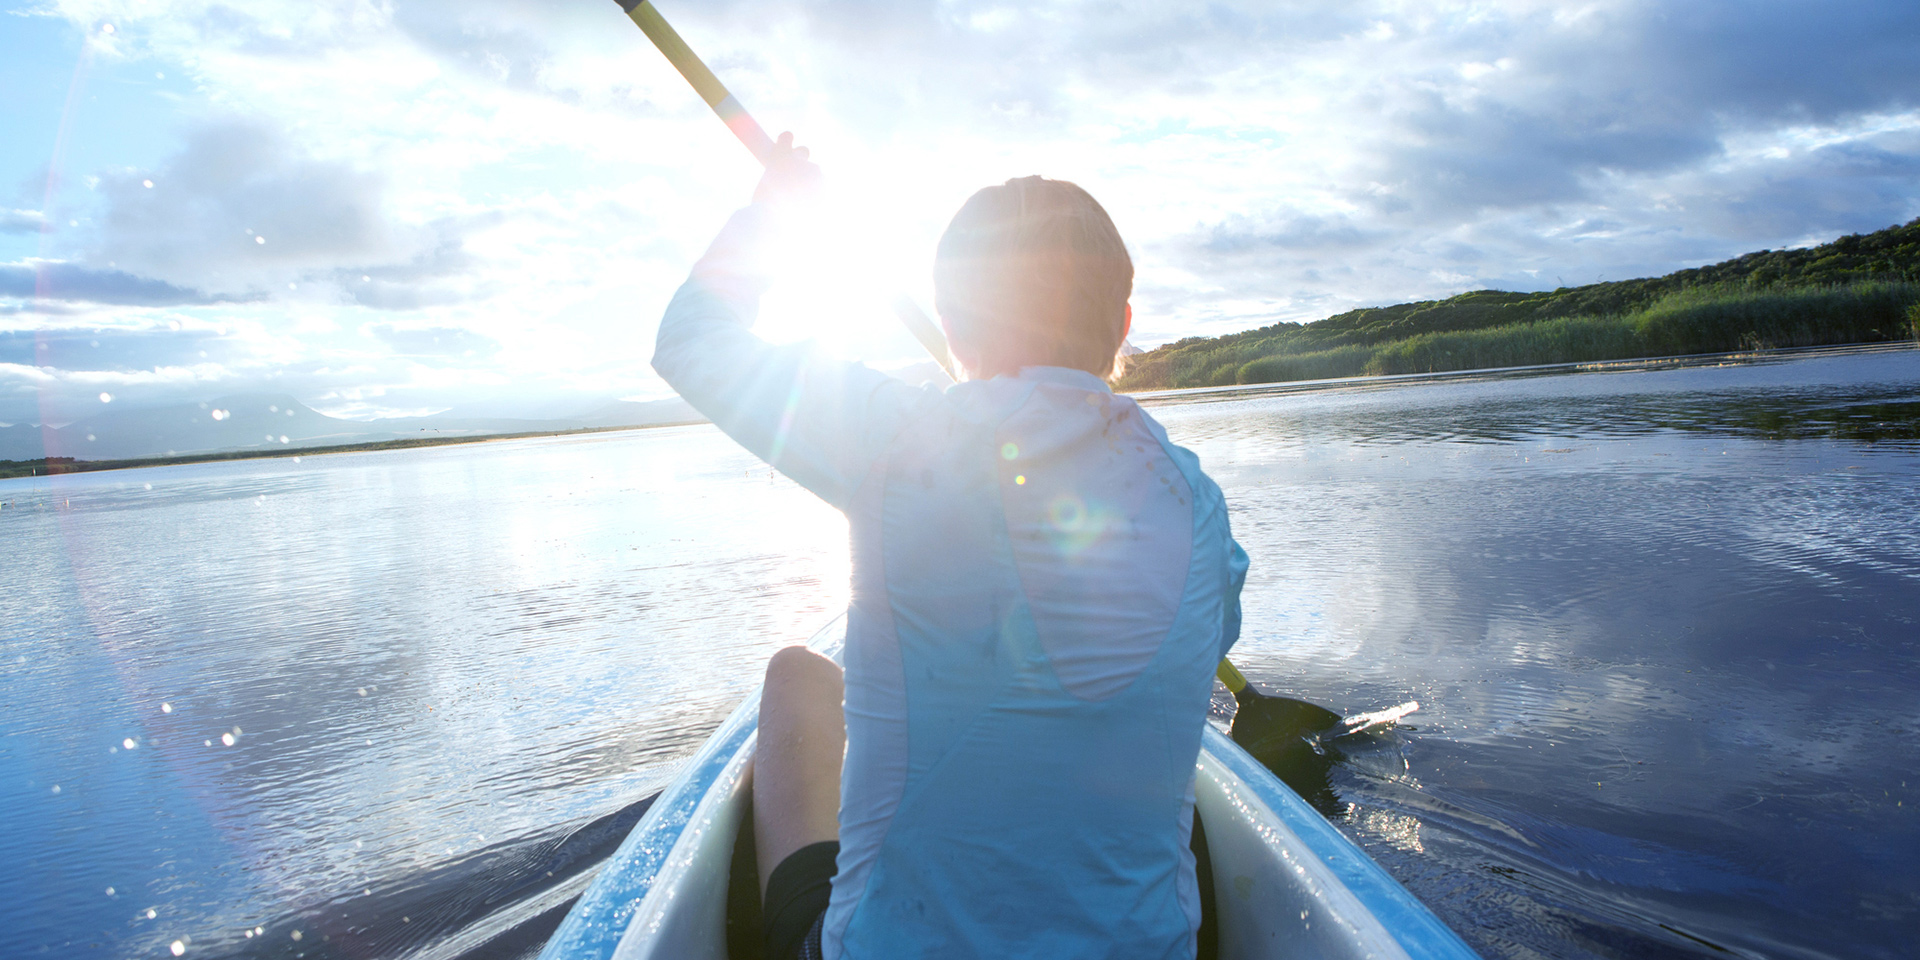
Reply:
x=60, y=466
x=1177, y=395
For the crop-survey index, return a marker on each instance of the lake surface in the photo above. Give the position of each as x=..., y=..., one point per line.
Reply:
x=1664, y=626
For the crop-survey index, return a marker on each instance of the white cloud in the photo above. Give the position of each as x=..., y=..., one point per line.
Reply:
x=528, y=181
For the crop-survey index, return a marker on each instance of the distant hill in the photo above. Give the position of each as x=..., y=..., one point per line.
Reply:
x=1760, y=299
x=270, y=421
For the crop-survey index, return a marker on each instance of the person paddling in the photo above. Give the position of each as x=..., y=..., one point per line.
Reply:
x=1043, y=585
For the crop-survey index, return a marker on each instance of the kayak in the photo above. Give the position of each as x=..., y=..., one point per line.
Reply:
x=1284, y=881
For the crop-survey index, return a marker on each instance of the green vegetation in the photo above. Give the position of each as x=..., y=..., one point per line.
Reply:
x=1857, y=289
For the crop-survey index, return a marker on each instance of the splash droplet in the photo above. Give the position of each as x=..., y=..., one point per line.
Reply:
x=178, y=948
x=258, y=239
x=147, y=183
x=106, y=398
x=166, y=708
x=226, y=739
x=128, y=744
x=151, y=914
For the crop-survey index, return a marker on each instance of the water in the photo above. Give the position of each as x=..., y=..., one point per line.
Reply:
x=441, y=664
x=1664, y=627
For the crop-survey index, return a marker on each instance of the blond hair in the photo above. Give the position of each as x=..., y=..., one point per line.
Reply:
x=1033, y=273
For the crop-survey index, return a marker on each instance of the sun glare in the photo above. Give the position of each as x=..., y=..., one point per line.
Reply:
x=837, y=265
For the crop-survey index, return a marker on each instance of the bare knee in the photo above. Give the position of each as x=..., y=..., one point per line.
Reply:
x=802, y=697
x=798, y=666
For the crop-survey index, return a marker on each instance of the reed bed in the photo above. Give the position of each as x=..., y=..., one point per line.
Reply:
x=1708, y=319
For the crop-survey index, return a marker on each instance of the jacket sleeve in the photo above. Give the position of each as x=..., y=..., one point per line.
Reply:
x=819, y=420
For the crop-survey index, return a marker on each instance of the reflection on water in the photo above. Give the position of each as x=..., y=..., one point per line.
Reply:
x=1662, y=626
x=435, y=667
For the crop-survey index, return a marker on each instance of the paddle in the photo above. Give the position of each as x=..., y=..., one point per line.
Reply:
x=760, y=145
x=1263, y=724
x=1266, y=726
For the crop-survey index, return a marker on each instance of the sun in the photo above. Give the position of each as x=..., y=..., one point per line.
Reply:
x=837, y=265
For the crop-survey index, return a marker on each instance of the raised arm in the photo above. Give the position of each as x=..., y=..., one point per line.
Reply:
x=820, y=420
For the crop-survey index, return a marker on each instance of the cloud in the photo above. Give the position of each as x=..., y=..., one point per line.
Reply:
x=1562, y=104
x=528, y=183
x=237, y=204
x=61, y=281
x=434, y=341
x=21, y=221
x=1287, y=231
x=1524, y=146
x=106, y=348
x=242, y=210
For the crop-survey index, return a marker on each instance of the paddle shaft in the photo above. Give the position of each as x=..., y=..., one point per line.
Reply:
x=1230, y=675
x=760, y=145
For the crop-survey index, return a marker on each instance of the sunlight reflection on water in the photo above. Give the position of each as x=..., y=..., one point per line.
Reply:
x=1662, y=626
x=348, y=669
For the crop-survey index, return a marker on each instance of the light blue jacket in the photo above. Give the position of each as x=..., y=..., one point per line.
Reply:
x=1043, y=585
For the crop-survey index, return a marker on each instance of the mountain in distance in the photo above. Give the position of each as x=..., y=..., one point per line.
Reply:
x=238, y=423
x=270, y=421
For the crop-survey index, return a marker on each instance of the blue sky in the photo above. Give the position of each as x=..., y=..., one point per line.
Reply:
x=401, y=206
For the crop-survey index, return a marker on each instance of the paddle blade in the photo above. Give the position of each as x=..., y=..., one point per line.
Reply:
x=1278, y=731
x=1262, y=719
x=1282, y=734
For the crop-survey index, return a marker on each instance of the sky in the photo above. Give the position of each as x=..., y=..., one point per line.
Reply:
x=405, y=206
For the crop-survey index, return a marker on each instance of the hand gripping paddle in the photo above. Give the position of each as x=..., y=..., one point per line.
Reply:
x=760, y=145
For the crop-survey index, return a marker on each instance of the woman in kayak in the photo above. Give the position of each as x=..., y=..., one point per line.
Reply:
x=1042, y=587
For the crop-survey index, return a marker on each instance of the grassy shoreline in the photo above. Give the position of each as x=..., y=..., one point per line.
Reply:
x=1177, y=395
x=1855, y=289
x=1686, y=322
x=52, y=466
